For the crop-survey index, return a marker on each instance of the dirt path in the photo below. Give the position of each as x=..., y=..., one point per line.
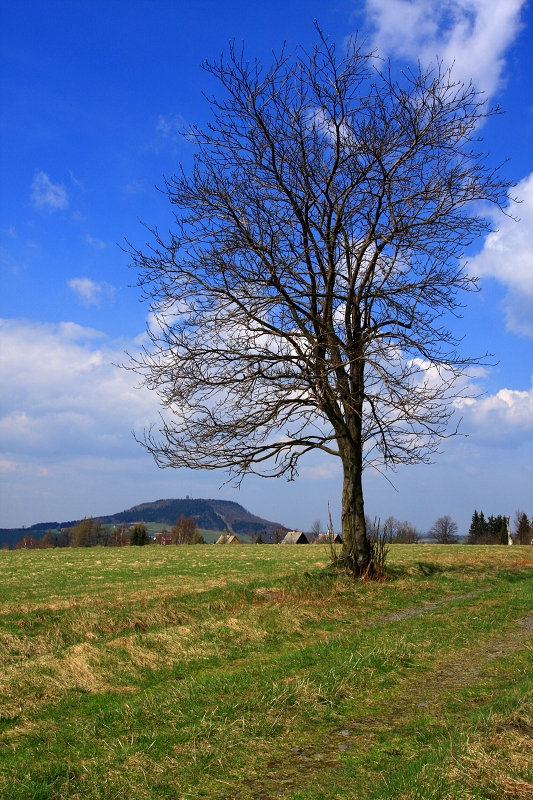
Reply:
x=285, y=776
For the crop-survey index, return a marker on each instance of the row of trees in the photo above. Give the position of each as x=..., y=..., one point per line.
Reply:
x=395, y=531
x=92, y=533
x=443, y=531
x=87, y=533
x=494, y=530
x=400, y=532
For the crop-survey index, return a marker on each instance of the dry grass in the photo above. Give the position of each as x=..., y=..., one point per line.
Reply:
x=214, y=664
x=498, y=756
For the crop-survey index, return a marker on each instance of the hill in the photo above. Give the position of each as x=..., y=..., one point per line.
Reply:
x=214, y=515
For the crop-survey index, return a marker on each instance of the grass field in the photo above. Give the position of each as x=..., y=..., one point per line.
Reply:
x=250, y=672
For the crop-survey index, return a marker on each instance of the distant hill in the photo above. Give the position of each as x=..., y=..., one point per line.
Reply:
x=214, y=515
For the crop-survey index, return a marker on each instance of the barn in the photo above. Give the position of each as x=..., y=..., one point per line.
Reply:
x=228, y=539
x=295, y=537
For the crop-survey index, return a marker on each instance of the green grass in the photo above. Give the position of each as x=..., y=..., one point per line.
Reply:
x=252, y=672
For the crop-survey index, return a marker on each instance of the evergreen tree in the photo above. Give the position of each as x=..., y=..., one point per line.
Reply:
x=473, y=530
x=502, y=533
x=492, y=530
x=139, y=535
x=497, y=530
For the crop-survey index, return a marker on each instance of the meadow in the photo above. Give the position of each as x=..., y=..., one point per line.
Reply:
x=257, y=672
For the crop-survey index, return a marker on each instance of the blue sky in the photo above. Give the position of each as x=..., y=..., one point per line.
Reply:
x=94, y=95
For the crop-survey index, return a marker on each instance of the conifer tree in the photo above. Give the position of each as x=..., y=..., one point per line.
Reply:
x=473, y=530
x=139, y=535
x=502, y=533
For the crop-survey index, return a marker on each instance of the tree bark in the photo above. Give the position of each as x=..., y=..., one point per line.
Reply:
x=355, y=547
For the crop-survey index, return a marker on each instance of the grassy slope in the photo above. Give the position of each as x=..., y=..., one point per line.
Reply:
x=250, y=673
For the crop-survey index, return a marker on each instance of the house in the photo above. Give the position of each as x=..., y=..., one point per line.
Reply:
x=295, y=537
x=163, y=538
x=227, y=539
x=327, y=538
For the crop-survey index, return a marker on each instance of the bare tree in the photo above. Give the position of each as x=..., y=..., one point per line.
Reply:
x=120, y=535
x=47, y=541
x=444, y=531
x=301, y=300
x=407, y=534
x=316, y=530
x=390, y=528
x=522, y=528
x=279, y=534
x=27, y=542
x=185, y=531
x=400, y=532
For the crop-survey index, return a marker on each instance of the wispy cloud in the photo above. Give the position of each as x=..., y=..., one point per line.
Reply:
x=171, y=124
x=135, y=188
x=472, y=33
x=92, y=240
x=507, y=255
x=76, y=182
x=163, y=125
x=91, y=293
x=45, y=194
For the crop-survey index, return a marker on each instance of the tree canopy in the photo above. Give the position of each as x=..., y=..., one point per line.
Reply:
x=301, y=300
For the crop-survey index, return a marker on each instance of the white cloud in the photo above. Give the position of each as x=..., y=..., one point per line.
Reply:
x=75, y=332
x=91, y=293
x=504, y=419
x=65, y=395
x=66, y=416
x=507, y=255
x=472, y=33
x=66, y=420
x=46, y=194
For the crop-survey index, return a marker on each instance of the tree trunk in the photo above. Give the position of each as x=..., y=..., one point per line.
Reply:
x=355, y=544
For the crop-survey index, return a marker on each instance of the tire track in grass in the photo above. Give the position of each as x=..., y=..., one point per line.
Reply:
x=308, y=763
